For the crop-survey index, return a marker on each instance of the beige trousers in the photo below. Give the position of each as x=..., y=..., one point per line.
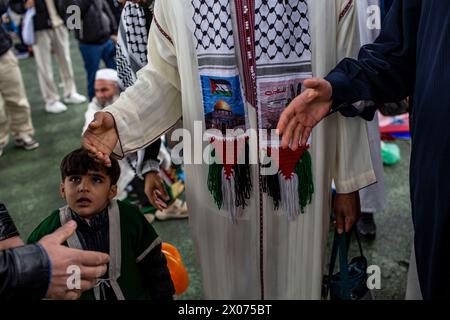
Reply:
x=15, y=113
x=54, y=40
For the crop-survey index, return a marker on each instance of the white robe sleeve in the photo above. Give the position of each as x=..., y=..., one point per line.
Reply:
x=353, y=166
x=89, y=114
x=152, y=106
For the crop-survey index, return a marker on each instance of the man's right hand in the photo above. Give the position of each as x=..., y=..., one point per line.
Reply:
x=101, y=137
x=304, y=113
x=92, y=264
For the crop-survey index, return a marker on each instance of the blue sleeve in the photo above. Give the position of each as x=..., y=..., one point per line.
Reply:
x=385, y=70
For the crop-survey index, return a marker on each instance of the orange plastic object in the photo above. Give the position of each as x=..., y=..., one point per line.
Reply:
x=178, y=273
x=172, y=250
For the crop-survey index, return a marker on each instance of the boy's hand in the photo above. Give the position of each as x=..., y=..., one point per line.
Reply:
x=92, y=264
x=101, y=137
x=347, y=209
x=156, y=191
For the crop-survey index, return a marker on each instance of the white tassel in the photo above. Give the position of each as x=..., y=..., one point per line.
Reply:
x=289, y=196
x=229, y=196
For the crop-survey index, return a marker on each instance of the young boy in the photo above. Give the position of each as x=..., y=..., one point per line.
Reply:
x=138, y=268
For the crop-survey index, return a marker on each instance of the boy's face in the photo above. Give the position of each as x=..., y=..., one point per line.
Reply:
x=88, y=194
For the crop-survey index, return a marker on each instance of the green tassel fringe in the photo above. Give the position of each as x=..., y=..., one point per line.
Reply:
x=303, y=170
x=215, y=180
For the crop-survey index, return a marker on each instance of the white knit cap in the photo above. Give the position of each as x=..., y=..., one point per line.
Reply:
x=107, y=74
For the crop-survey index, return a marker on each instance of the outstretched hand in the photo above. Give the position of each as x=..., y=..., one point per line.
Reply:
x=100, y=138
x=92, y=265
x=304, y=113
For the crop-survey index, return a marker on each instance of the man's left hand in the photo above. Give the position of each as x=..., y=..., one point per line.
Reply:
x=347, y=209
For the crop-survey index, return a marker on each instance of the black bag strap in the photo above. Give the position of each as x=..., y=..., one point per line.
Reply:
x=334, y=252
x=341, y=243
x=340, y=246
x=359, y=241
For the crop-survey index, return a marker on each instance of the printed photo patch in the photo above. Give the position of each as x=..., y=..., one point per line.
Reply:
x=223, y=103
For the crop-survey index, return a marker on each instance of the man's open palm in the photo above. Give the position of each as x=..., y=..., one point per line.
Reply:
x=304, y=113
x=101, y=137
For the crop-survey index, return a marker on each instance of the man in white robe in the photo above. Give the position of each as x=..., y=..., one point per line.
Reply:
x=373, y=198
x=263, y=255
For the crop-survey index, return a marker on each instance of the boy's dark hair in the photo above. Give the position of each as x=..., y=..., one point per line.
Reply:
x=78, y=162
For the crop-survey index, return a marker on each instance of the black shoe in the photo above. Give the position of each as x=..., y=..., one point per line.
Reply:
x=366, y=226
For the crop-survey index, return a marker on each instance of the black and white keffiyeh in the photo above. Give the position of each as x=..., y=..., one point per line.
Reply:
x=272, y=44
x=131, y=56
x=132, y=41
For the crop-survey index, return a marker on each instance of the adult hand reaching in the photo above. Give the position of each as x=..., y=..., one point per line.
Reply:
x=101, y=137
x=304, y=113
x=92, y=264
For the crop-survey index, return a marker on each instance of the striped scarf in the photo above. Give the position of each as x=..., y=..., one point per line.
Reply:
x=131, y=49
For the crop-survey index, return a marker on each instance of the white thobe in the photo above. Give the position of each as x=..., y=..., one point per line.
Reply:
x=373, y=198
x=264, y=254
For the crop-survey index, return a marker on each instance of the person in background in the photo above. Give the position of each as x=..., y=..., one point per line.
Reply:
x=51, y=36
x=116, y=7
x=131, y=57
x=373, y=198
x=15, y=113
x=97, y=37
